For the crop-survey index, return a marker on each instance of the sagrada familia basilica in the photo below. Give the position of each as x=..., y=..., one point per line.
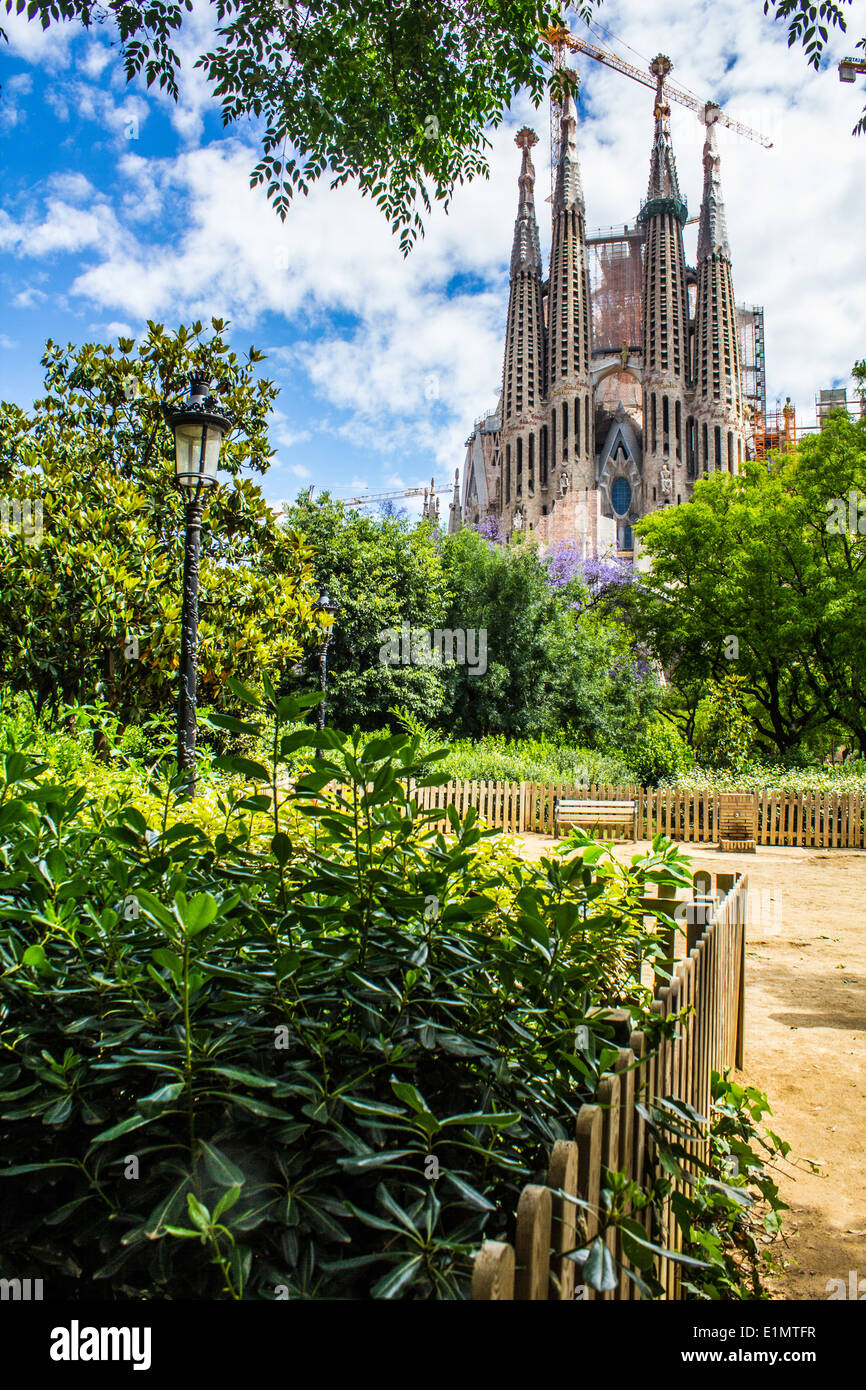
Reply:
x=615, y=397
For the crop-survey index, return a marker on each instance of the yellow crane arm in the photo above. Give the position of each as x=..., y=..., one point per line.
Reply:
x=559, y=38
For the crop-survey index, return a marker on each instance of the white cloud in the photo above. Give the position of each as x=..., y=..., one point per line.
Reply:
x=64, y=227
x=96, y=59
x=7, y=342
x=29, y=296
x=50, y=48
x=415, y=354
x=300, y=471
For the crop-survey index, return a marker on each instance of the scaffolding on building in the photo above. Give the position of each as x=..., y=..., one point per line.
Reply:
x=753, y=362
x=615, y=257
x=778, y=431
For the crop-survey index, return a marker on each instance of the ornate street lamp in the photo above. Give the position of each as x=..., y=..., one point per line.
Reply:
x=332, y=609
x=198, y=435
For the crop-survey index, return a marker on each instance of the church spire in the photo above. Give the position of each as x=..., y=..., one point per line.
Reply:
x=569, y=187
x=718, y=381
x=713, y=231
x=523, y=371
x=526, y=250
x=570, y=426
x=666, y=313
x=663, y=186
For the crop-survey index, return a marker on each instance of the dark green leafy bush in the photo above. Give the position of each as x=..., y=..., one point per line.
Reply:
x=658, y=754
x=319, y=1065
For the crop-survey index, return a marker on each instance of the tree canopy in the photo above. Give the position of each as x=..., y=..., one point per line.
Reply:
x=92, y=605
x=383, y=572
x=763, y=575
x=397, y=94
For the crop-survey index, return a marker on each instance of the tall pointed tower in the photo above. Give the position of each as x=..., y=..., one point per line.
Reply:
x=718, y=392
x=666, y=317
x=523, y=368
x=569, y=446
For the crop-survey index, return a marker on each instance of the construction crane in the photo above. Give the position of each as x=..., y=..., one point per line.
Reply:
x=371, y=498
x=560, y=39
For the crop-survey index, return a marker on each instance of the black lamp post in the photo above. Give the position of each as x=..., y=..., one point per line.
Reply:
x=332, y=609
x=198, y=436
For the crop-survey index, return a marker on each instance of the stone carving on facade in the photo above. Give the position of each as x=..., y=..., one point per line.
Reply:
x=666, y=478
x=564, y=483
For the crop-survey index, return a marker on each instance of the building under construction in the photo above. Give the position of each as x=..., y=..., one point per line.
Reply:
x=627, y=373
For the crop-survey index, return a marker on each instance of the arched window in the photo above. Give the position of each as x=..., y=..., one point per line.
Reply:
x=620, y=496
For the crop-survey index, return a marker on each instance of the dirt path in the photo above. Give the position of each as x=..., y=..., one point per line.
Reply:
x=806, y=1044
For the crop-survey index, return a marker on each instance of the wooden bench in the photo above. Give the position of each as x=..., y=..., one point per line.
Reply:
x=591, y=815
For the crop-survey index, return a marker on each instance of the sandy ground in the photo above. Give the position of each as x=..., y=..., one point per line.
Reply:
x=805, y=1044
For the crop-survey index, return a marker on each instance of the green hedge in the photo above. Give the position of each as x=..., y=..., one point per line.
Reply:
x=317, y=1059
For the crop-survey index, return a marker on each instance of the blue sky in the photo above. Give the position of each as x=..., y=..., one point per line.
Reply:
x=118, y=206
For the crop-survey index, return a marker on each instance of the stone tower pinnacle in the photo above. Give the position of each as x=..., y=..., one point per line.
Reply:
x=523, y=367
x=666, y=314
x=570, y=429
x=718, y=401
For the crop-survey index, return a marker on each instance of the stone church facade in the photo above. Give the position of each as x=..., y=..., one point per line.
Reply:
x=588, y=438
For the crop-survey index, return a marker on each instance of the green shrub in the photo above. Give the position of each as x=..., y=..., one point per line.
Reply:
x=317, y=1062
x=541, y=759
x=658, y=755
x=725, y=733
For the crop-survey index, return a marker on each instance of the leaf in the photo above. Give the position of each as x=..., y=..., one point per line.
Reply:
x=246, y=1078
x=245, y=767
x=157, y=1100
x=36, y=1167
x=220, y=1168
x=378, y=1160
x=374, y=1107
x=170, y=960
x=199, y=913
x=599, y=1271
x=405, y=1092
x=244, y=693
x=234, y=726
x=199, y=1214
x=258, y=1107
x=501, y=1121
x=471, y=1195
x=133, y=1122
x=390, y=1284
x=634, y=1244
x=281, y=848
x=226, y=1202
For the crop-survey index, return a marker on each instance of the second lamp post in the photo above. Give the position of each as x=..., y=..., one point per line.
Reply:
x=326, y=605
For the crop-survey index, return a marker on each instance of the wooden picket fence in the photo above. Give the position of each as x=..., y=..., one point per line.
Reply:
x=611, y=1134
x=826, y=820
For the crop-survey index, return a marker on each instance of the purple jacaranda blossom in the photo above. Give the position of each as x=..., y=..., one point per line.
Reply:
x=490, y=529
x=597, y=573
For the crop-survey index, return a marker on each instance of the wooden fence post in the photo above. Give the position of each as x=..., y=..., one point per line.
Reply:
x=563, y=1231
x=532, y=1243
x=493, y=1272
